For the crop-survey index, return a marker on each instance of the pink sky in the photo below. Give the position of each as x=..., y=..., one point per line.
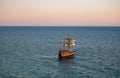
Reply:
x=59, y=12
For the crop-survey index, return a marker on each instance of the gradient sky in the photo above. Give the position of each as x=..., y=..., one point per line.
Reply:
x=60, y=12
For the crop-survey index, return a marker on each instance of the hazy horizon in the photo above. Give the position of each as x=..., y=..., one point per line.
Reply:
x=59, y=13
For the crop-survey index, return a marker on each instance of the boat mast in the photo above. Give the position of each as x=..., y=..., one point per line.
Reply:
x=68, y=42
x=64, y=44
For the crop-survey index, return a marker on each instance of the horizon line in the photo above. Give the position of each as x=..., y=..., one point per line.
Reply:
x=59, y=26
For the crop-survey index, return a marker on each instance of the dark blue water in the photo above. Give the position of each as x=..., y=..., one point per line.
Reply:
x=31, y=52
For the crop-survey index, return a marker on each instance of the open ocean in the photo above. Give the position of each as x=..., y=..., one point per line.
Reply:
x=32, y=52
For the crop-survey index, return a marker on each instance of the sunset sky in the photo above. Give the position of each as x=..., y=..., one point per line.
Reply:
x=59, y=12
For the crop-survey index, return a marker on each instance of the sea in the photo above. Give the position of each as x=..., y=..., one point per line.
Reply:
x=32, y=52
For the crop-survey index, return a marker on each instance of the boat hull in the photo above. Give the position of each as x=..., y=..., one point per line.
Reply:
x=66, y=54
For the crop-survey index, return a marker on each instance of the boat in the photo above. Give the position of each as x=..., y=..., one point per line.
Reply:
x=67, y=51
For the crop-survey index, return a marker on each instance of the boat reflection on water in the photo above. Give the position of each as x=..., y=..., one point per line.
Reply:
x=66, y=62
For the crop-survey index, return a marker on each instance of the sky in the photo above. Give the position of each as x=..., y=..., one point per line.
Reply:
x=59, y=12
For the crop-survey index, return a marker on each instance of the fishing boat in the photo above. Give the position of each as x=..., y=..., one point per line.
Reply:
x=67, y=51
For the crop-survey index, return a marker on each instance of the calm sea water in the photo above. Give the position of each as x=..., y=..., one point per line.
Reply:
x=31, y=52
